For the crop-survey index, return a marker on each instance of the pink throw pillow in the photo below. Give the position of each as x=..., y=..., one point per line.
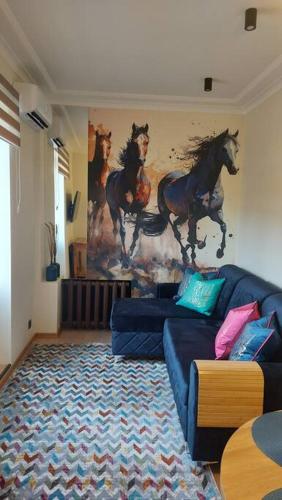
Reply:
x=232, y=327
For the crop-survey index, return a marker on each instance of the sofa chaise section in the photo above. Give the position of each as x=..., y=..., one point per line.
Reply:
x=137, y=323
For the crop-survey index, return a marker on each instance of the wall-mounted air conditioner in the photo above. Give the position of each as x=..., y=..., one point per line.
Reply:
x=56, y=132
x=34, y=107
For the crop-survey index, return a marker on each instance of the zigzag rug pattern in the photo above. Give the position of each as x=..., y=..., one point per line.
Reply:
x=78, y=423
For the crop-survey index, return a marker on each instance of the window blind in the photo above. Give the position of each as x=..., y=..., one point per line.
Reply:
x=9, y=113
x=63, y=162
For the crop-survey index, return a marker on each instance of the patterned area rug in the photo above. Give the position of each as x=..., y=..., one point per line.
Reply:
x=77, y=423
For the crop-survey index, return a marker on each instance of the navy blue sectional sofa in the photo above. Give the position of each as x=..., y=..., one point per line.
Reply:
x=160, y=328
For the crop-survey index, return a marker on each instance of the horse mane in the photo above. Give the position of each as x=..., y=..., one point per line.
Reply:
x=202, y=146
x=129, y=155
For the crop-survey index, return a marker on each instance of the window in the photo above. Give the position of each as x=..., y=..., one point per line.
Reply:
x=60, y=215
x=5, y=253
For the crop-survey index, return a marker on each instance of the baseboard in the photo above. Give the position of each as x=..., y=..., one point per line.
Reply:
x=44, y=335
x=15, y=365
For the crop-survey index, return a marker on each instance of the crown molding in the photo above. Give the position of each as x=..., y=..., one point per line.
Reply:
x=263, y=86
x=143, y=101
x=25, y=44
x=11, y=58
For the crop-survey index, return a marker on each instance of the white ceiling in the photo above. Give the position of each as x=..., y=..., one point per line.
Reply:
x=146, y=52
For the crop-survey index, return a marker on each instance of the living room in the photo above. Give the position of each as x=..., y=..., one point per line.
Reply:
x=140, y=170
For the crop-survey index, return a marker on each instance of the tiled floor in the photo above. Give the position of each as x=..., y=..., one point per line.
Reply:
x=89, y=336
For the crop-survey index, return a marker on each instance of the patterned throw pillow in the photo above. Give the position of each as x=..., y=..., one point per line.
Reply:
x=258, y=341
x=201, y=295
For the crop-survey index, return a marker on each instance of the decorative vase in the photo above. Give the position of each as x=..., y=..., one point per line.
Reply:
x=51, y=272
x=58, y=268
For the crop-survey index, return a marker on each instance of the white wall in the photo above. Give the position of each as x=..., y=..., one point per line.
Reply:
x=259, y=240
x=31, y=296
x=23, y=237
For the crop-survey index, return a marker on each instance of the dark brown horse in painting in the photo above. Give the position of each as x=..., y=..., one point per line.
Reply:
x=198, y=194
x=98, y=171
x=128, y=190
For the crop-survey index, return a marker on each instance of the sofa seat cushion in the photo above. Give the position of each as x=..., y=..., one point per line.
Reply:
x=141, y=315
x=185, y=340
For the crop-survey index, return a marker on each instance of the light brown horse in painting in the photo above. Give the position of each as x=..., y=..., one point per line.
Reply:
x=98, y=171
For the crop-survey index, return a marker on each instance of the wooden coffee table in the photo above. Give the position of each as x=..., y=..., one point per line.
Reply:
x=246, y=472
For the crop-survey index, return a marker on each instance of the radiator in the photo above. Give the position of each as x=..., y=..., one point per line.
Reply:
x=88, y=303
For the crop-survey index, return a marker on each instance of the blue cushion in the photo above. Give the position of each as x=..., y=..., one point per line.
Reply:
x=201, y=295
x=250, y=344
x=188, y=273
x=185, y=340
x=141, y=315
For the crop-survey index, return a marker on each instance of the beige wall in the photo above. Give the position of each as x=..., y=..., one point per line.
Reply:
x=260, y=229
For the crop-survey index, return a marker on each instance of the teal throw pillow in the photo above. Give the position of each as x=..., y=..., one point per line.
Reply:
x=188, y=273
x=201, y=295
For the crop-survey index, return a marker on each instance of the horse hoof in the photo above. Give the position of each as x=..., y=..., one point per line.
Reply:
x=185, y=260
x=201, y=245
x=124, y=262
x=219, y=253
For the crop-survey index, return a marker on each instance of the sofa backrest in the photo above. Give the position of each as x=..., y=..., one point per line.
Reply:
x=232, y=274
x=249, y=289
x=270, y=304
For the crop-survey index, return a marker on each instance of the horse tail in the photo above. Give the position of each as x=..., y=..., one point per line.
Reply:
x=156, y=224
x=152, y=224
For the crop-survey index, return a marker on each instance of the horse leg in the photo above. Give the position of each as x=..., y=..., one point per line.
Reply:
x=135, y=236
x=100, y=226
x=114, y=217
x=177, y=236
x=92, y=214
x=192, y=238
x=124, y=258
x=218, y=217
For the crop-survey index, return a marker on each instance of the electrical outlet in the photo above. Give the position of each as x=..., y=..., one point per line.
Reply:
x=29, y=324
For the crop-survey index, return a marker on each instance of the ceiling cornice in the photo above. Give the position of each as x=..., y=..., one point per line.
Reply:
x=259, y=89
x=143, y=101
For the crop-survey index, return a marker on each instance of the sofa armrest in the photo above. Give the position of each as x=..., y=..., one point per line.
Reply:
x=229, y=393
x=166, y=290
x=272, y=373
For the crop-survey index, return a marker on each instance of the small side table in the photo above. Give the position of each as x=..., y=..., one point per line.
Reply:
x=246, y=472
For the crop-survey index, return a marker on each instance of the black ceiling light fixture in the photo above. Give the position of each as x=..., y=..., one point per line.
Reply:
x=208, y=84
x=251, y=19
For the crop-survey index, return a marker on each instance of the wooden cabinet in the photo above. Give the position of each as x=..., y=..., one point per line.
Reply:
x=78, y=259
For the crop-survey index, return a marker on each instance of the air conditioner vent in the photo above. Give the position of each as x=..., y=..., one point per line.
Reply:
x=36, y=118
x=34, y=107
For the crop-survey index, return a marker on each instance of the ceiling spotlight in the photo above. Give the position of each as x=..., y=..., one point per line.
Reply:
x=251, y=19
x=208, y=84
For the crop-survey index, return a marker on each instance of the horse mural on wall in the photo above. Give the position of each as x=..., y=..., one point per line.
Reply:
x=128, y=190
x=195, y=195
x=98, y=171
